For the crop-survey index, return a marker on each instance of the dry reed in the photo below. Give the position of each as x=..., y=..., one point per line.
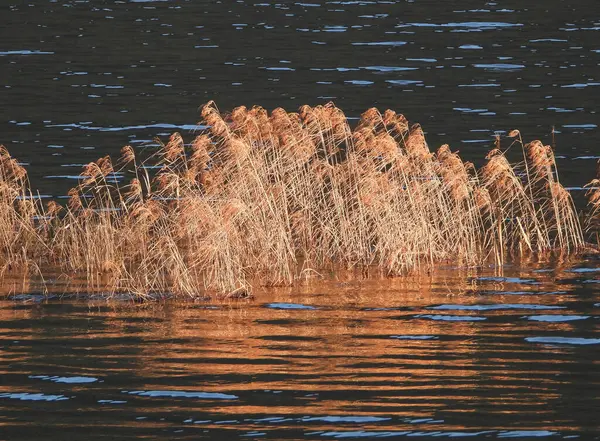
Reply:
x=593, y=195
x=264, y=199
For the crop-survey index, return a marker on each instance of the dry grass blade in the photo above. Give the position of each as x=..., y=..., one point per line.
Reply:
x=263, y=199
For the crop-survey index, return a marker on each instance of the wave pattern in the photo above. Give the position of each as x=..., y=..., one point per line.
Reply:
x=341, y=360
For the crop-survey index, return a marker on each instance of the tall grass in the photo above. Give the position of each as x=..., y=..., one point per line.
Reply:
x=267, y=199
x=593, y=215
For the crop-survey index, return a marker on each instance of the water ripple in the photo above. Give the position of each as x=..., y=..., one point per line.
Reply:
x=494, y=307
x=557, y=318
x=25, y=52
x=68, y=380
x=289, y=306
x=564, y=340
x=182, y=394
x=451, y=318
x=33, y=397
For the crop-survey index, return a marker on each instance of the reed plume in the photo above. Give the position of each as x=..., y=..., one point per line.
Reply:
x=259, y=198
x=593, y=195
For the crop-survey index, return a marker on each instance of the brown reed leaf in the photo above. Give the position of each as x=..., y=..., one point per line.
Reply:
x=53, y=209
x=175, y=148
x=11, y=170
x=4, y=152
x=239, y=116
x=540, y=156
x=74, y=203
x=105, y=166
x=135, y=189
x=90, y=173
x=415, y=144
x=237, y=150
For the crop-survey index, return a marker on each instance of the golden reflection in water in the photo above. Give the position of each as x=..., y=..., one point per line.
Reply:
x=363, y=349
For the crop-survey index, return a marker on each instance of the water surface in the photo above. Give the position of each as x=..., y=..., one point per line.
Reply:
x=483, y=355
x=410, y=358
x=81, y=79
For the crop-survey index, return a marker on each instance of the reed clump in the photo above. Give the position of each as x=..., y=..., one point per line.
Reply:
x=593, y=195
x=266, y=199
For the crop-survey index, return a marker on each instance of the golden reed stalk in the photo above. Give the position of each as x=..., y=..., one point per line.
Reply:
x=263, y=199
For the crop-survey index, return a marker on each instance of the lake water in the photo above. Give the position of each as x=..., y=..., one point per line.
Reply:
x=462, y=355
x=81, y=79
x=456, y=356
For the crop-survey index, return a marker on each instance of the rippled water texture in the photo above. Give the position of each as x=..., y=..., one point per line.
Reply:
x=80, y=79
x=511, y=357
x=485, y=357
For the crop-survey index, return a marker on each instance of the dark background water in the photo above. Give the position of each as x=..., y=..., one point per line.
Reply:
x=458, y=357
x=80, y=79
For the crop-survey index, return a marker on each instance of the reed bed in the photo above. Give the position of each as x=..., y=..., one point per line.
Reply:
x=270, y=199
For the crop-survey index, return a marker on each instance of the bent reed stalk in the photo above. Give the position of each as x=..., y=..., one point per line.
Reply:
x=264, y=199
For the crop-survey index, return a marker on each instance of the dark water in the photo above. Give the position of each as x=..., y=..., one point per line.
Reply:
x=80, y=79
x=455, y=357
x=462, y=357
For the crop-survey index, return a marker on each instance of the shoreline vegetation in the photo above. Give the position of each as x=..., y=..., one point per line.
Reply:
x=261, y=199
